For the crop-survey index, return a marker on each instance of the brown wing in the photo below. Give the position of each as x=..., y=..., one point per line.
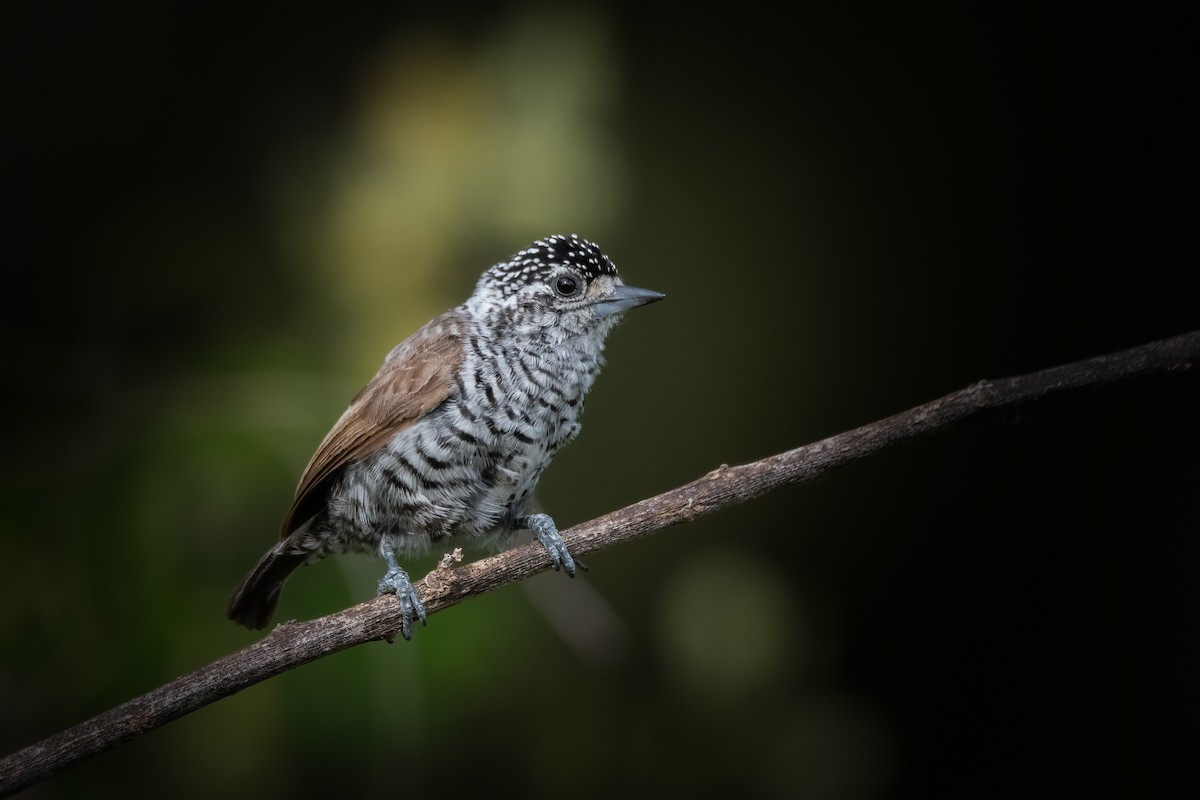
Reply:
x=414, y=379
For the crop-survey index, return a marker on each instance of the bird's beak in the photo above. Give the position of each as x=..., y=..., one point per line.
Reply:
x=625, y=298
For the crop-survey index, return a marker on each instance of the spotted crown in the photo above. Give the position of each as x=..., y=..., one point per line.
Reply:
x=538, y=261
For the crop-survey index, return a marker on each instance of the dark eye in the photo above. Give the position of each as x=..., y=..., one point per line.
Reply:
x=566, y=285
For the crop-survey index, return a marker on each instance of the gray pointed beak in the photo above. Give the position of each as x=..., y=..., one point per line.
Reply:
x=625, y=298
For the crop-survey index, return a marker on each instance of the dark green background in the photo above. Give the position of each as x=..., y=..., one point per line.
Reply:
x=851, y=211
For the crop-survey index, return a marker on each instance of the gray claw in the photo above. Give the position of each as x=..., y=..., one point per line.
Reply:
x=543, y=529
x=397, y=582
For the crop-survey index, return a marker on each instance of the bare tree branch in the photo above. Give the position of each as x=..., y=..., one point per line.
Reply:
x=295, y=643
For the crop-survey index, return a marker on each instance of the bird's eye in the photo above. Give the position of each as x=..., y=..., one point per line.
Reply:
x=566, y=285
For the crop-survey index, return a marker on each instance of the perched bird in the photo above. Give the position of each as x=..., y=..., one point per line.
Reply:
x=451, y=435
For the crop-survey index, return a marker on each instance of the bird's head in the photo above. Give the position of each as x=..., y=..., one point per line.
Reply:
x=560, y=287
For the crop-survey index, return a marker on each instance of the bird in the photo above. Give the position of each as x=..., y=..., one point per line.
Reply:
x=451, y=435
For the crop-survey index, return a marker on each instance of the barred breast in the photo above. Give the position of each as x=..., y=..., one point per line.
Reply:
x=471, y=465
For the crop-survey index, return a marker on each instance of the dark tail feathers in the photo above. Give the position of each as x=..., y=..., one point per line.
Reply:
x=254, y=599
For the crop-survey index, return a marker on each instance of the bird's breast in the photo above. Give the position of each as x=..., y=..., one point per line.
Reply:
x=471, y=465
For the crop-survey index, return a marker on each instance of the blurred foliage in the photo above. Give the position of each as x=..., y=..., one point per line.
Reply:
x=226, y=217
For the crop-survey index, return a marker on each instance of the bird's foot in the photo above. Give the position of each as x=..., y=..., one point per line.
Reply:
x=397, y=582
x=543, y=529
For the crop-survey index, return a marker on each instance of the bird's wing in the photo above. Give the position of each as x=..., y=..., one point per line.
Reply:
x=417, y=376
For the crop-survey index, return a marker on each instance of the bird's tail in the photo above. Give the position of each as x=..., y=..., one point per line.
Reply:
x=254, y=599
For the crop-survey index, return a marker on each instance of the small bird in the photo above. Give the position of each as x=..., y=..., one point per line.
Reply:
x=451, y=435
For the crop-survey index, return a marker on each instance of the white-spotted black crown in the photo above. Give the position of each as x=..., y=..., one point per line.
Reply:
x=540, y=259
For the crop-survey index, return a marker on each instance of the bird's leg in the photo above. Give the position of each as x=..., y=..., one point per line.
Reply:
x=396, y=582
x=543, y=529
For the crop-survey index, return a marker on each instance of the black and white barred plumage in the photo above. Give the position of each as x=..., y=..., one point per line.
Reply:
x=451, y=435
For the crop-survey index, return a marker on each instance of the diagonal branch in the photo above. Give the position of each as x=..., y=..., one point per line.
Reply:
x=293, y=644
